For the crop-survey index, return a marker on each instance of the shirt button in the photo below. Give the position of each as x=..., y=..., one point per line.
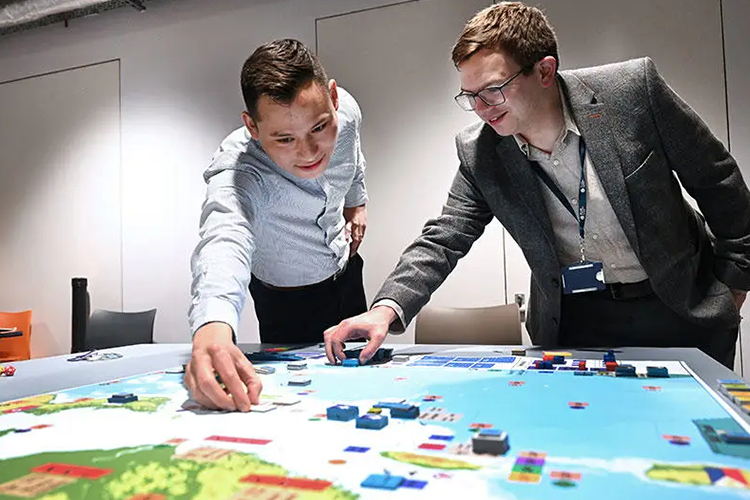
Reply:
x=595, y=236
x=613, y=266
x=556, y=162
x=573, y=201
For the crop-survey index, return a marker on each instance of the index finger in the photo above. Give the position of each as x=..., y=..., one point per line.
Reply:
x=224, y=365
x=205, y=379
x=371, y=348
x=328, y=338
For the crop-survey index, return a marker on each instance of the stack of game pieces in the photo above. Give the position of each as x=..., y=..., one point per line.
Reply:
x=565, y=479
x=738, y=391
x=528, y=467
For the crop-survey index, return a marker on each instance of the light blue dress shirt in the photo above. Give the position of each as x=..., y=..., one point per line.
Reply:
x=260, y=219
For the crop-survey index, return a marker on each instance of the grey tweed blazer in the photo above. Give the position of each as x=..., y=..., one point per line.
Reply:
x=641, y=138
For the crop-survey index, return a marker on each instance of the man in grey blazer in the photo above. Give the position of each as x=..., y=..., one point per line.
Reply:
x=583, y=169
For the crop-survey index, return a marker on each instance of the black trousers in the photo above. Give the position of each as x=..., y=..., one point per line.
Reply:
x=301, y=315
x=597, y=320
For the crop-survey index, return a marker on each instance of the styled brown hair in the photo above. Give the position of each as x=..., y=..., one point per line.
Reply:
x=520, y=30
x=279, y=70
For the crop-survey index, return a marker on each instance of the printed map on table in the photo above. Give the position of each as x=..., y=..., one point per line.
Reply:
x=569, y=436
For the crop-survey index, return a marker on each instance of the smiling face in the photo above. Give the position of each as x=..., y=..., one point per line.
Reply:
x=299, y=136
x=488, y=68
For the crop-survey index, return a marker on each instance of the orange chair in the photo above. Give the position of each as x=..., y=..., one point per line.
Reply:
x=16, y=348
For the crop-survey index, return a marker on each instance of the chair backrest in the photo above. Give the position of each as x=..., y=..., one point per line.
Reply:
x=16, y=348
x=495, y=325
x=116, y=329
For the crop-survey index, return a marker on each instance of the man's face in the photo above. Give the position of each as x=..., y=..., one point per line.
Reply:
x=299, y=137
x=489, y=68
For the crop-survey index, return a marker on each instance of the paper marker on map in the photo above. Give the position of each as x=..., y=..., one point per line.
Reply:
x=263, y=408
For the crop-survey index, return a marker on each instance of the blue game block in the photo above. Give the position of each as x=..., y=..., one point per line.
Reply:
x=438, y=437
x=356, y=449
x=730, y=381
x=567, y=368
x=657, y=371
x=545, y=365
x=382, y=482
x=734, y=437
x=350, y=362
x=342, y=413
x=490, y=432
x=582, y=373
x=411, y=483
x=459, y=365
x=407, y=411
x=558, y=360
x=385, y=404
x=372, y=421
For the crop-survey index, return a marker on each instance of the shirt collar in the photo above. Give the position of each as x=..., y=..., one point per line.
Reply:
x=570, y=126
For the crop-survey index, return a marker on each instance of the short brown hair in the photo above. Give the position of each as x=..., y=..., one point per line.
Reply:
x=520, y=30
x=279, y=70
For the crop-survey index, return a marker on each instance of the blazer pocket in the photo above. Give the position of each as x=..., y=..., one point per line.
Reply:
x=642, y=166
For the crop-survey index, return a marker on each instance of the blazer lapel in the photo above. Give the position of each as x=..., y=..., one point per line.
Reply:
x=591, y=118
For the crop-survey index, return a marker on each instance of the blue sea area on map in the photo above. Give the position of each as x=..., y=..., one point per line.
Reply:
x=612, y=442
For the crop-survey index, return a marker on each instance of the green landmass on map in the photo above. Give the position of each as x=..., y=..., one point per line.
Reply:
x=430, y=461
x=686, y=474
x=158, y=471
x=45, y=405
x=6, y=431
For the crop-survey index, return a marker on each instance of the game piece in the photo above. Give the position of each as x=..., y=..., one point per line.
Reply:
x=296, y=365
x=625, y=371
x=410, y=483
x=262, y=408
x=356, y=449
x=371, y=421
x=490, y=441
x=400, y=358
x=611, y=366
x=657, y=371
x=582, y=365
x=286, y=401
x=518, y=352
x=405, y=411
x=432, y=446
x=584, y=374
x=558, y=360
x=376, y=411
x=176, y=370
x=389, y=403
x=382, y=355
x=382, y=482
x=122, y=398
x=342, y=413
x=301, y=381
x=609, y=356
x=9, y=371
x=352, y=362
x=265, y=370
x=734, y=437
x=255, y=357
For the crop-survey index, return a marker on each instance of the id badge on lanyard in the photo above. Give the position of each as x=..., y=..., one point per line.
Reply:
x=584, y=276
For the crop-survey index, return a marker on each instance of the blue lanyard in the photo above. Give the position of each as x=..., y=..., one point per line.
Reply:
x=581, y=217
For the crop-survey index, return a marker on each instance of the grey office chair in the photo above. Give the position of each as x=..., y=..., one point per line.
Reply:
x=107, y=329
x=495, y=325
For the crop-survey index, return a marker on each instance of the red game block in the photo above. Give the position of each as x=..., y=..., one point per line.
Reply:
x=569, y=476
x=480, y=426
x=230, y=439
x=40, y=426
x=72, y=470
x=611, y=366
x=431, y=446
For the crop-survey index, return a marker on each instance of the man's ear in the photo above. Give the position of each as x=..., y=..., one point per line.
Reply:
x=334, y=93
x=251, y=125
x=547, y=70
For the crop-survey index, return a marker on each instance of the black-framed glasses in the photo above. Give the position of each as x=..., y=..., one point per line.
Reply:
x=491, y=96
